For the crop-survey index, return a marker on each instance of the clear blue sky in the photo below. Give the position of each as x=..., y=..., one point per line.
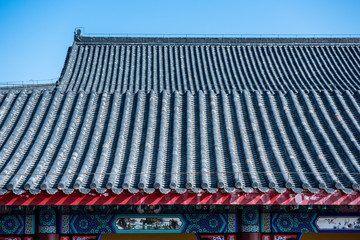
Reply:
x=35, y=35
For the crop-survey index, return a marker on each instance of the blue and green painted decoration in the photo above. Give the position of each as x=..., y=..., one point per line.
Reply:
x=17, y=224
x=47, y=220
x=11, y=224
x=145, y=223
x=250, y=219
x=311, y=222
x=198, y=219
x=293, y=222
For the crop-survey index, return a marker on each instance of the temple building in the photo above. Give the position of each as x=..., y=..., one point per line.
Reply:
x=186, y=138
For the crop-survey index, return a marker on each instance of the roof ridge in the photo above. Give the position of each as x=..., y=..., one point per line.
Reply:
x=213, y=40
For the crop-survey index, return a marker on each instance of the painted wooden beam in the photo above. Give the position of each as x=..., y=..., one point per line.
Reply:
x=187, y=198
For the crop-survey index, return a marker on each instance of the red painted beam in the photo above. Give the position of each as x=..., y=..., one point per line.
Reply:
x=188, y=198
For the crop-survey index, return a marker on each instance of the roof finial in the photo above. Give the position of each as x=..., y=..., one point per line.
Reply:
x=77, y=34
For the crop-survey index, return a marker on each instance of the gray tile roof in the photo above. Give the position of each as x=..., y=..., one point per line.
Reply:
x=160, y=64
x=181, y=114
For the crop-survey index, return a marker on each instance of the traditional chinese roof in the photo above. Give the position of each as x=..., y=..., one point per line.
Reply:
x=145, y=115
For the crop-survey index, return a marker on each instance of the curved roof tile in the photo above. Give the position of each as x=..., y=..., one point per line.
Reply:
x=201, y=66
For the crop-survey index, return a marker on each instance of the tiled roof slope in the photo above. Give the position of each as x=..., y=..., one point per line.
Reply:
x=146, y=114
x=107, y=65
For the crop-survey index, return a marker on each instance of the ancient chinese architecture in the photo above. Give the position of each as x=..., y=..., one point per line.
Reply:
x=228, y=138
